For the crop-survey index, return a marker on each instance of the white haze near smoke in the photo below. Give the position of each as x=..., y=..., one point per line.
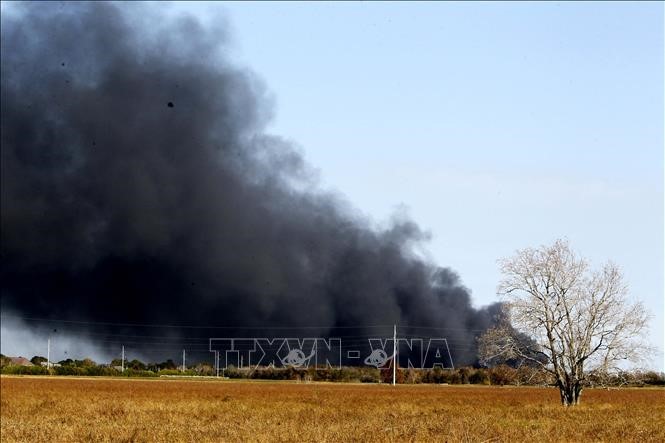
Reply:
x=18, y=338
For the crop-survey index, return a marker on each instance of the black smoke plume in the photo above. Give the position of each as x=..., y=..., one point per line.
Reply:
x=139, y=187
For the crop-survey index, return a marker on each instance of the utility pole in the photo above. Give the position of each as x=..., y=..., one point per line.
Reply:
x=48, y=353
x=122, y=361
x=183, y=360
x=394, y=352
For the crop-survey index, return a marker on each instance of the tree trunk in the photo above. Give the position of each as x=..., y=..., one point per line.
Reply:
x=570, y=393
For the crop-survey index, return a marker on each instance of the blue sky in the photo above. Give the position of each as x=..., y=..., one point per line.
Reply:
x=494, y=126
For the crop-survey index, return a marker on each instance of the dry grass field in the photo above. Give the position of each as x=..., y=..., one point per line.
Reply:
x=70, y=409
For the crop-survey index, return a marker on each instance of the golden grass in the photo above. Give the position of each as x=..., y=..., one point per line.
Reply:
x=93, y=409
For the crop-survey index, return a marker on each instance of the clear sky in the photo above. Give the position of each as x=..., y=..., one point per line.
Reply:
x=494, y=126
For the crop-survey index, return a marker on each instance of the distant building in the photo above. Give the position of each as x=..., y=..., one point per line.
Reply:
x=20, y=361
x=53, y=365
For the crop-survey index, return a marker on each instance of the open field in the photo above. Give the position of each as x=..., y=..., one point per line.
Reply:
x=84, y=409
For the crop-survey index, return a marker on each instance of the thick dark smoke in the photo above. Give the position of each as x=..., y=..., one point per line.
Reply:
x=139, y=186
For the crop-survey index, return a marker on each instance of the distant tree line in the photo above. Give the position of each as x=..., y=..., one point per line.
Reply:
x=495, y=375
x=88, y=367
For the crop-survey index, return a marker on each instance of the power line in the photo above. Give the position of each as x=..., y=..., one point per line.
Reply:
x=442, y=328
x=148, y=325
x=267, y=328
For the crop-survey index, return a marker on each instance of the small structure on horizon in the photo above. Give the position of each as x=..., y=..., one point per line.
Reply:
x=20, y=361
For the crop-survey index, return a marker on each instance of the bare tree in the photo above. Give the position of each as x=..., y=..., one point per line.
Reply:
x=578, y=320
